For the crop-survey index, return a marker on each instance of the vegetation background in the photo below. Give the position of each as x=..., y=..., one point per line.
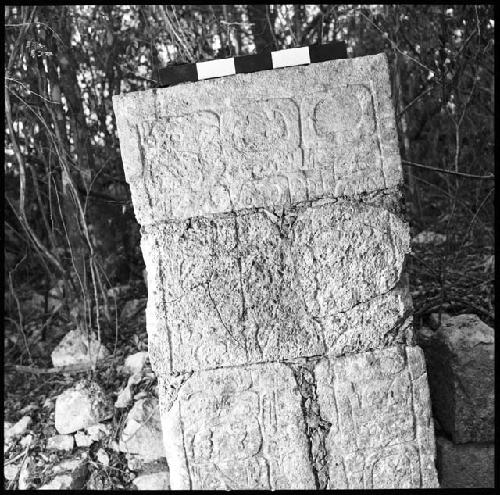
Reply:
x=71, y=241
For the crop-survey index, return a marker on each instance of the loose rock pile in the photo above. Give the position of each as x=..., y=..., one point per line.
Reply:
x=88, y=436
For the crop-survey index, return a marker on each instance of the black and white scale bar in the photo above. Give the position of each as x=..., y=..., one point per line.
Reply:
x=251, y=63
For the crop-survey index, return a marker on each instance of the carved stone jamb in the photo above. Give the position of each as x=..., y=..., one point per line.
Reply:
x=278, y=312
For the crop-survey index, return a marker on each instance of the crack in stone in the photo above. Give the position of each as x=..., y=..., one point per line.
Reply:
x=400, y=283
x=317, y=428
x=183, y=436
x=380, y=198
x=412, y=399
x=170, y=384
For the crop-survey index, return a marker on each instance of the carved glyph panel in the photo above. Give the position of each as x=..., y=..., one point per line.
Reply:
x=382, y=432
x=277, y=151
x=249, y=431
x=257, y=140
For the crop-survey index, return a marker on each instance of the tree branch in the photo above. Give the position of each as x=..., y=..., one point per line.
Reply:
x=442, y=171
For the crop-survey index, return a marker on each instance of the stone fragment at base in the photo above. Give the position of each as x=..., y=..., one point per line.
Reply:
x=279, y=316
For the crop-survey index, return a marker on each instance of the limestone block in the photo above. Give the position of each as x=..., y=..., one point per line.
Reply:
x=255, y=140
x=244, y=289
x=249, y=431
x=381, y=433
x=461, y=361
x=469, y=465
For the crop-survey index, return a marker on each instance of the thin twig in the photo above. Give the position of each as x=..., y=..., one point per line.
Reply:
x=22, y=187
x=23, y=454
x=150, y=415
x=438, y=302
x=28, y=89
x=428, y=90
x=74, y=368
x=460, y=174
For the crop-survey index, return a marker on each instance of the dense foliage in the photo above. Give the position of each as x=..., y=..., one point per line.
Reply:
x=70, y=232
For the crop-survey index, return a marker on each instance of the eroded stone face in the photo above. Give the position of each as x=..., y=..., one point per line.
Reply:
x=249, y=288
x=249, y=431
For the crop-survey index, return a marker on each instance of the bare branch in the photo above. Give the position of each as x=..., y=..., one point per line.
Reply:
x=440, y=170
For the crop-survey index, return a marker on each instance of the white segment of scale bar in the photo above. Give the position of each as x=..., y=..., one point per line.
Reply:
x=292, y=56
x=216, y=68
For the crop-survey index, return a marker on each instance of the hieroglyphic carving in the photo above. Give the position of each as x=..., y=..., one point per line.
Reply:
x=275, y=152
x=250, y=431
x=378, y=438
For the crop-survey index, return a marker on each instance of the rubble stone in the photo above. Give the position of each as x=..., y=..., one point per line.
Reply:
x=142, y=433
x=77, y=470
x=460, y=358
x=10, y=471
x=76, y=348
x=136, y=362
x=25, y=474
x=17, y=429
x=83, y=440
x=80, y=407
x=61, y=442
x=152, y=481
x=60, y=482
x=98, y=431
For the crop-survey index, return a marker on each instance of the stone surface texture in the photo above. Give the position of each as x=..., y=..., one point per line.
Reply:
x=278, y=310
x=460, y=355
x=465, y=466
